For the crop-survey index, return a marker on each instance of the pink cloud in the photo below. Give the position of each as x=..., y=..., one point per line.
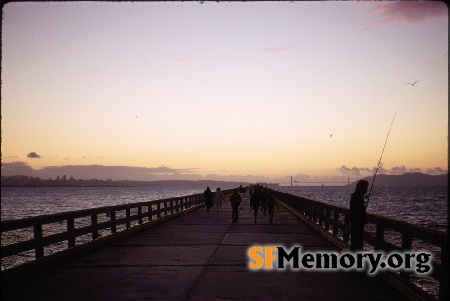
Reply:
x=278, y=49
x=409, y=12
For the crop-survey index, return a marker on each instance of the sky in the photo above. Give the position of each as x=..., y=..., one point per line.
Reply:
x=239, y=91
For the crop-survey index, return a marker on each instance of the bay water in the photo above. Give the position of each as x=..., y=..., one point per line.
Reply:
x=425, y=206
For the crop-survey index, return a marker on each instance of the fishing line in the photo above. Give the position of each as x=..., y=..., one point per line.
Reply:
x=378, y=166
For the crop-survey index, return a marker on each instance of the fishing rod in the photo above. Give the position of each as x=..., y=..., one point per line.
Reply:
x=378, y=166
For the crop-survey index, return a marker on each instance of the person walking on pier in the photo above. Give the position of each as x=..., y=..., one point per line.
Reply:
x=218, y=198
x=271, y=202
x=263, y=198
x=255, y=201
x=208, y=197
x=358, y=215
x=235, y=200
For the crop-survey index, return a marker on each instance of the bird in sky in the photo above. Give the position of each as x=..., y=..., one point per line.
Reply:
x=331, y=135
x=413, y=83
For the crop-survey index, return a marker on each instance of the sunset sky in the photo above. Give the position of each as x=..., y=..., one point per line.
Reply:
x=254, y=91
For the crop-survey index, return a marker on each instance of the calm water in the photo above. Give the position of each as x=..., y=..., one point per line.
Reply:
x=20, y=202
x=421, y=205
x=425, y=206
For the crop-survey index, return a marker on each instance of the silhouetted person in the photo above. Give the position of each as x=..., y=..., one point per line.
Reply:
x=235, y=200
x=271, y=202
x=242, y=189
x=218, y=198
x=208, y=196
x=263, y=198
x=358, y=215
x=255, y=201
x=250, y=189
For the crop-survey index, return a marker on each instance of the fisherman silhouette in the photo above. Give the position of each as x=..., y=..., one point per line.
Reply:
x=358, y=215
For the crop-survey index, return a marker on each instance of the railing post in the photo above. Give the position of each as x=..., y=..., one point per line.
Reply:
x=406, y=246
x=346, y=235
x=39, y=248
x=327, y=219
x=314, y=213
x=140, y=215
x=379, y=237
x=406, y=242
x=336, y=220
x=309, y=211
x=94, y=224
x=171, y=206
x=320, y=214
x=113, y=222
x=71, y=232
x=127, y=218
x=150, y=212
x=158, y=210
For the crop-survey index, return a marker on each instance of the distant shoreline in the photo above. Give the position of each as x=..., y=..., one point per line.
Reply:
x=25, y=181
x=407, y=179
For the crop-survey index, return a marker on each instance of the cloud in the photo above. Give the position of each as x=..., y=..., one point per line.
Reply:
x=278, y=49
x=409, y=12
x=436, y=171
x=362, y=171
x=33, y=155
x=398, y=170
x=355, y=171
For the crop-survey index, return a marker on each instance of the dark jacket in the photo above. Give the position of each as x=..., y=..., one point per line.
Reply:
x=235, y=199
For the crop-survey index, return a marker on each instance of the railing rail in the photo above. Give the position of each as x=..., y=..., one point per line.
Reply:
x=381, y=233
x=76, y=228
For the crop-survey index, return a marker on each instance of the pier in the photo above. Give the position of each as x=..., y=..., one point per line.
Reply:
x=176, y=250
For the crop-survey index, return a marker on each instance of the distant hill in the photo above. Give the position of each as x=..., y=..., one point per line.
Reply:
x=409, y=179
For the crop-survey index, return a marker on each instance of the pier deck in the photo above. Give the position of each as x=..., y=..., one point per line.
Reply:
x=200, y=256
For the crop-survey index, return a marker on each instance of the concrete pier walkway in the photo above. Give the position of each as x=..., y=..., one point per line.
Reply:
x=200, y=256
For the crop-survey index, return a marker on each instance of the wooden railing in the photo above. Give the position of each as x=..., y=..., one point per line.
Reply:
x=381, y=233
x=55, y=233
